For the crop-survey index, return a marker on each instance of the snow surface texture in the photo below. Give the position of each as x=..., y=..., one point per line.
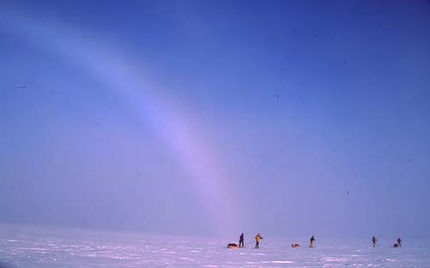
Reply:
x=53, y=247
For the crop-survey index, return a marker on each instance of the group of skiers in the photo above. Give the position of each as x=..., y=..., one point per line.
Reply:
x=396, y=245
x=258, y=238
x=312, y=240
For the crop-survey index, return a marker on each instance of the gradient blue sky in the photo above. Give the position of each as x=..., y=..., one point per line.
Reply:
x=281, y=117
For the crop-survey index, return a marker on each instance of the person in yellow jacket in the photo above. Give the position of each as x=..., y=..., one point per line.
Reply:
x=258, y=237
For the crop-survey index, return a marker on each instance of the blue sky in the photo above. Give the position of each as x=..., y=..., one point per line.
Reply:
x=207, y=117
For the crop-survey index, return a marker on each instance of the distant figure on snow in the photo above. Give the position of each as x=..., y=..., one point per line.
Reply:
x=312, y=240
x=241, y=241
x=258, y=237
x=295, y=245
x=399, y=242
x=374, y=240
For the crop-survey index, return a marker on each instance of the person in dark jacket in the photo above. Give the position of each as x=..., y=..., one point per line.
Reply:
x=399, y=242
x=312, y=240
x=374, y=240
x=241, y=241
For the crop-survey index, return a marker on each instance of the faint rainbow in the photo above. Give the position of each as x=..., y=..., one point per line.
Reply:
x=127, y=80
